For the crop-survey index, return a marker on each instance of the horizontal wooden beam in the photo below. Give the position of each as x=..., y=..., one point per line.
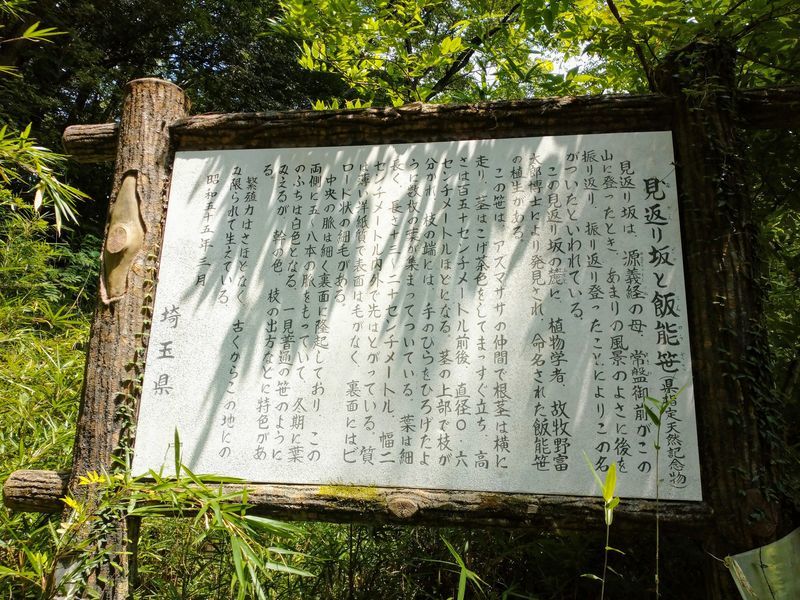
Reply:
x=423, y=123
x=770, y=108
x=549, y=116
x=91, y=143
x=41, y=491
x=35, y=491
x=758, y=109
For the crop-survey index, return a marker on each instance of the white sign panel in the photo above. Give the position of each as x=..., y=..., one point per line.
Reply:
x=471, y=315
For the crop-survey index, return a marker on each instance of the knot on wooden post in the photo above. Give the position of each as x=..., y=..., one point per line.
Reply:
x=117, y=239
x=403, y=508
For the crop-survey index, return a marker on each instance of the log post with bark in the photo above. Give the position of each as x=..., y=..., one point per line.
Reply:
x=733, y=384
x=118, y=340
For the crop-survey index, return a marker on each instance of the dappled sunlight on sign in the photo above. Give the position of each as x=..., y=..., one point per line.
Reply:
x=464, y=315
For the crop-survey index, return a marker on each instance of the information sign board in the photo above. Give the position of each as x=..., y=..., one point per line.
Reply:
x=466, y=315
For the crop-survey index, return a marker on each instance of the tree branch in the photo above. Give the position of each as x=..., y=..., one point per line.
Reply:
x=648, y=71
x=463, y=57
x=768, y=64
x=768, y=17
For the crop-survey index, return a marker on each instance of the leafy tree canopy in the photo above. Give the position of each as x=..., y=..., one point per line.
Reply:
x=395, y=51
x=23, y=164
x=215, y=49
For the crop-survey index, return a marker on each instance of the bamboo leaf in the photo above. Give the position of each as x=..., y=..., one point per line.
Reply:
x=653, y=416
x=274, y=566
x=611, y=483
x=177, y=442
x=256, y=583
x=271, y=525
x=596, y=476
x=236, y=551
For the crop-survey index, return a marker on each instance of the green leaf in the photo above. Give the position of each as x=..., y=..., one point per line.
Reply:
x=591, y=468
x=274, y=566
x=177, y=442
x=653, y=416
x=236, y=551
x=35, y=33
x=547, y=18
x=462, y=584
x=611, y=483
x=271, y=525
x=255, y=582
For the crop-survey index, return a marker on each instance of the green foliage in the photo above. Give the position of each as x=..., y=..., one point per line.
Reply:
x=216, y=514
x=610, y=502
x=773, y=169
x=607, y=489
x=424, y=50
x=417, y=50
x=364, y=562
x=14, y=9
x=215, y=49
x=23, y=164
x=41, y=325
x=42, y=331
x=41, y=335
x=27, y=165
x=464, y=573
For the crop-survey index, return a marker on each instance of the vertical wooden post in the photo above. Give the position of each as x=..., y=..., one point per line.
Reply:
x=115, y=358
x=732, y=379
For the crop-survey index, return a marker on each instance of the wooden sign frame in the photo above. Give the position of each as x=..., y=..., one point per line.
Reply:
x=716, y=256
x=411, y=123
x=425, y=124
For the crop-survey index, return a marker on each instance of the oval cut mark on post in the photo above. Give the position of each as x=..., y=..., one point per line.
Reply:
x=123, y=240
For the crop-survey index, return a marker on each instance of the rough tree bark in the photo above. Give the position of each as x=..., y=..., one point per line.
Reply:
x=119, y=331
x=756, y=109
x=730, y=356
x=42, y=491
